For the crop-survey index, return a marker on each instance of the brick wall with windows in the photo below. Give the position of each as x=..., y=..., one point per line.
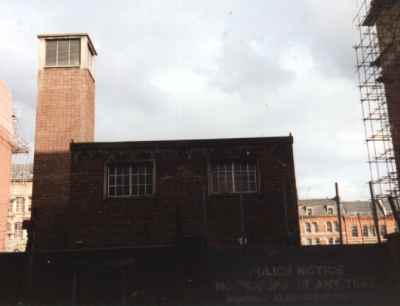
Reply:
x=227, y=192
x=319, y=224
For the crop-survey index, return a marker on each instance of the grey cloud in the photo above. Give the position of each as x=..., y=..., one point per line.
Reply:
x=236, y=48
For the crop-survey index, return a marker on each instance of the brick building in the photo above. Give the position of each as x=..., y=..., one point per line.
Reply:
x=5, y=157
x=20, y=207
x=96, y=195
x=319, y=223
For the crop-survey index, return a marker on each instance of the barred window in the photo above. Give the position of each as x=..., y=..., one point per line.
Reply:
x=63, y=52
x=233, y=177
x=130, y=180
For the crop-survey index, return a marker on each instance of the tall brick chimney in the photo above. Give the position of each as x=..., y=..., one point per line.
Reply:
x=65, y=114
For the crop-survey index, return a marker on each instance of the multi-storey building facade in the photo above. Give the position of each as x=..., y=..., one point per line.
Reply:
x=20, y=207
x=319, y=223
x=6, y=147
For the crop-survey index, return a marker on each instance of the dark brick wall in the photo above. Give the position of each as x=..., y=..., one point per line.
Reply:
x=181, y=205
x=319, y=275
x=65, y=113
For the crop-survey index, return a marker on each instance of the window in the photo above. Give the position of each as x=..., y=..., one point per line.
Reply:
x=308, y=227
x=18, y=229
x=354, y=231
x=130, y=180
x=331, y=241
x=317, y=241
x=365, y=231
x=63, y=52
x=329, y=226
x=309, y=211
x=11, y=207
x=383, y=230
x=372, y=230
x=20, y=204
x=336, y=226
x=233, y=177
x=315, y=226
x=329, y=210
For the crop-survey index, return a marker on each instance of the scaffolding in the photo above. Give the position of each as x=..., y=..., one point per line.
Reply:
x=374, y=53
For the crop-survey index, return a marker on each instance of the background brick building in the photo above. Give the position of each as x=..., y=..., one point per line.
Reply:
x=319, y=223
x=20, y=207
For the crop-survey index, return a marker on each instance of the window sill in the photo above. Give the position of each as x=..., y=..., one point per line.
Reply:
x=62, y=66
x=139, y=197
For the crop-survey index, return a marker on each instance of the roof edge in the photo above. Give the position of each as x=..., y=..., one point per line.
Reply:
x=64, y=35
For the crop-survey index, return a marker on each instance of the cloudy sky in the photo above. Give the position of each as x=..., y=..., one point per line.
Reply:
x=210, y=69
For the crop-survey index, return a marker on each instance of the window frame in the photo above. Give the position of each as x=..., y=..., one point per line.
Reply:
x=57, y=40
x=329, y=227
x=210, y=184
x=307, y=227
x=365, y=230
x=128, y=163
x=383, y=230
x=354, y=231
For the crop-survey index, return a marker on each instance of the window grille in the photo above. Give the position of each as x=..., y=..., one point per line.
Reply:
x=130, y=180
x=233, y=177
x=63, y=52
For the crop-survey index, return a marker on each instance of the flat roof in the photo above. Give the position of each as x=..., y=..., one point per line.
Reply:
x=181, y=142
x=68, y=35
